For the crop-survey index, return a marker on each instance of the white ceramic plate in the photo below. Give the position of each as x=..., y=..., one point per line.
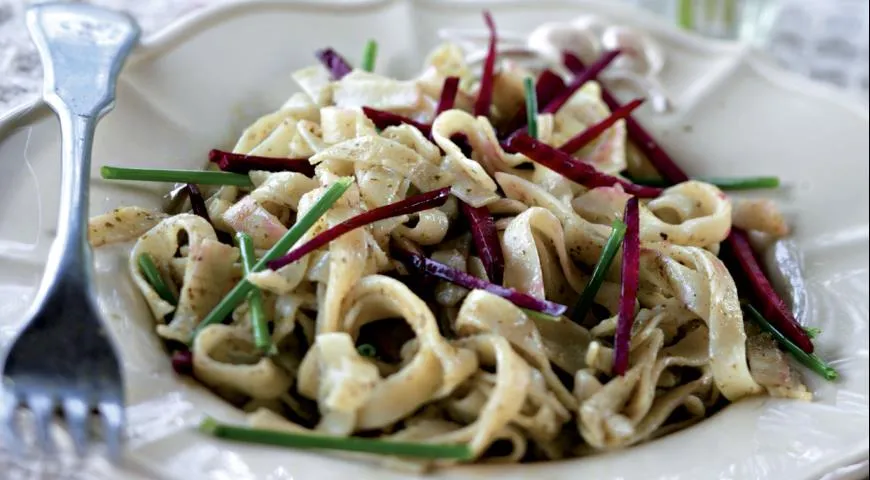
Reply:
x=195, y=85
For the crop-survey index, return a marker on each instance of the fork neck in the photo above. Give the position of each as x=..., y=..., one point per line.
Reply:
x=70, y=254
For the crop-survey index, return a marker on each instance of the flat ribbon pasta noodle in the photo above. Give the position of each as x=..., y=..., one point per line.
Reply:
x=121, y=225
x=607, y=151
x=340, y=379
x=483, y=312
x=434, y=370
x=526, y=268
x=224, y=357
x=208, y=276
x=691, y=213
x=706, y=288
x=360, y=89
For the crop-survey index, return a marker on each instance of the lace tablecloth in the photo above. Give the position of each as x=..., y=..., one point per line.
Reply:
x=824, y=39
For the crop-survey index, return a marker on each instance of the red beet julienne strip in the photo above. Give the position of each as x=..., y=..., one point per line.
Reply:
x=589, y=74
x=486, y=241
x=448, y=95
x=588, y=135
x=771, y=305
x=197, y=205
x=414, y=204
x=336, y=64
x=571, y=168
x=240, y=163
x=484, y=95
x=638, y=135
x=628, y=295
x=383, y=119
x=457, y=277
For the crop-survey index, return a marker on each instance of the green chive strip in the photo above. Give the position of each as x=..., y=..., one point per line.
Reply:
x=370, y=55
x=197, y=177
x=367, y=350
x=238, y=294
x=260, y=326
x=540, y=316
x=725, y=183
x=352, y=444
x=813, y=332
x=531, y=107
x=598, y=273
x=810, y=360
x=152, y=274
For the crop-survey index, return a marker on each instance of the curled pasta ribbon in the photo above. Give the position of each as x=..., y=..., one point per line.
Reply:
x=583, y=239
x=607, y=151
x=489, y=155
x=627, y=409
x=224, y=357
x=255, y=140
x=208, y=274
x=365, y=89
x=505, y=399
x=691, y=213
x=483, y=312
x=339, y=378
x=702, y=283
x=529, y=263
x=121, y=225
x=434, y=369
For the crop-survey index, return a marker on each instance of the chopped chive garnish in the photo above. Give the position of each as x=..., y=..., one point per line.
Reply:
x=152, y=274
x=353, y=444
x=541, y=316
x=813, y=332
x=531, y=107
x=370, y=55
x=262, y=339
x=724, y=183
x=367, y=350
x=199, y=177
x=608, y=253
x=238, y=294
x=810, y=360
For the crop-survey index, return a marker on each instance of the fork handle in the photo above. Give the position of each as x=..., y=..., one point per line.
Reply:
x=70, y=255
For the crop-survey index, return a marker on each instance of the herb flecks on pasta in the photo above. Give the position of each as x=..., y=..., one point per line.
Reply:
x=413, y=248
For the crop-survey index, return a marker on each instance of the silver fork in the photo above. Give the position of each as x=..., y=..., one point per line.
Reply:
x=64, y=358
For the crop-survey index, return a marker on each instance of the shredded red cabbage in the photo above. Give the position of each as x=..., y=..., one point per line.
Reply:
x=457, y=277
x=240, y=163
x=182, y=362
x=487, y=78
x=336, y=64
x=744, y=262
x=383, y=119
x=448, y=95
x=572, y=168
x=628, y=294
x=414, y=204
x=485, y=241
x=197, y=205
x=771, y=305
x=638, y=135
x=586, y=75
x=587, y=136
